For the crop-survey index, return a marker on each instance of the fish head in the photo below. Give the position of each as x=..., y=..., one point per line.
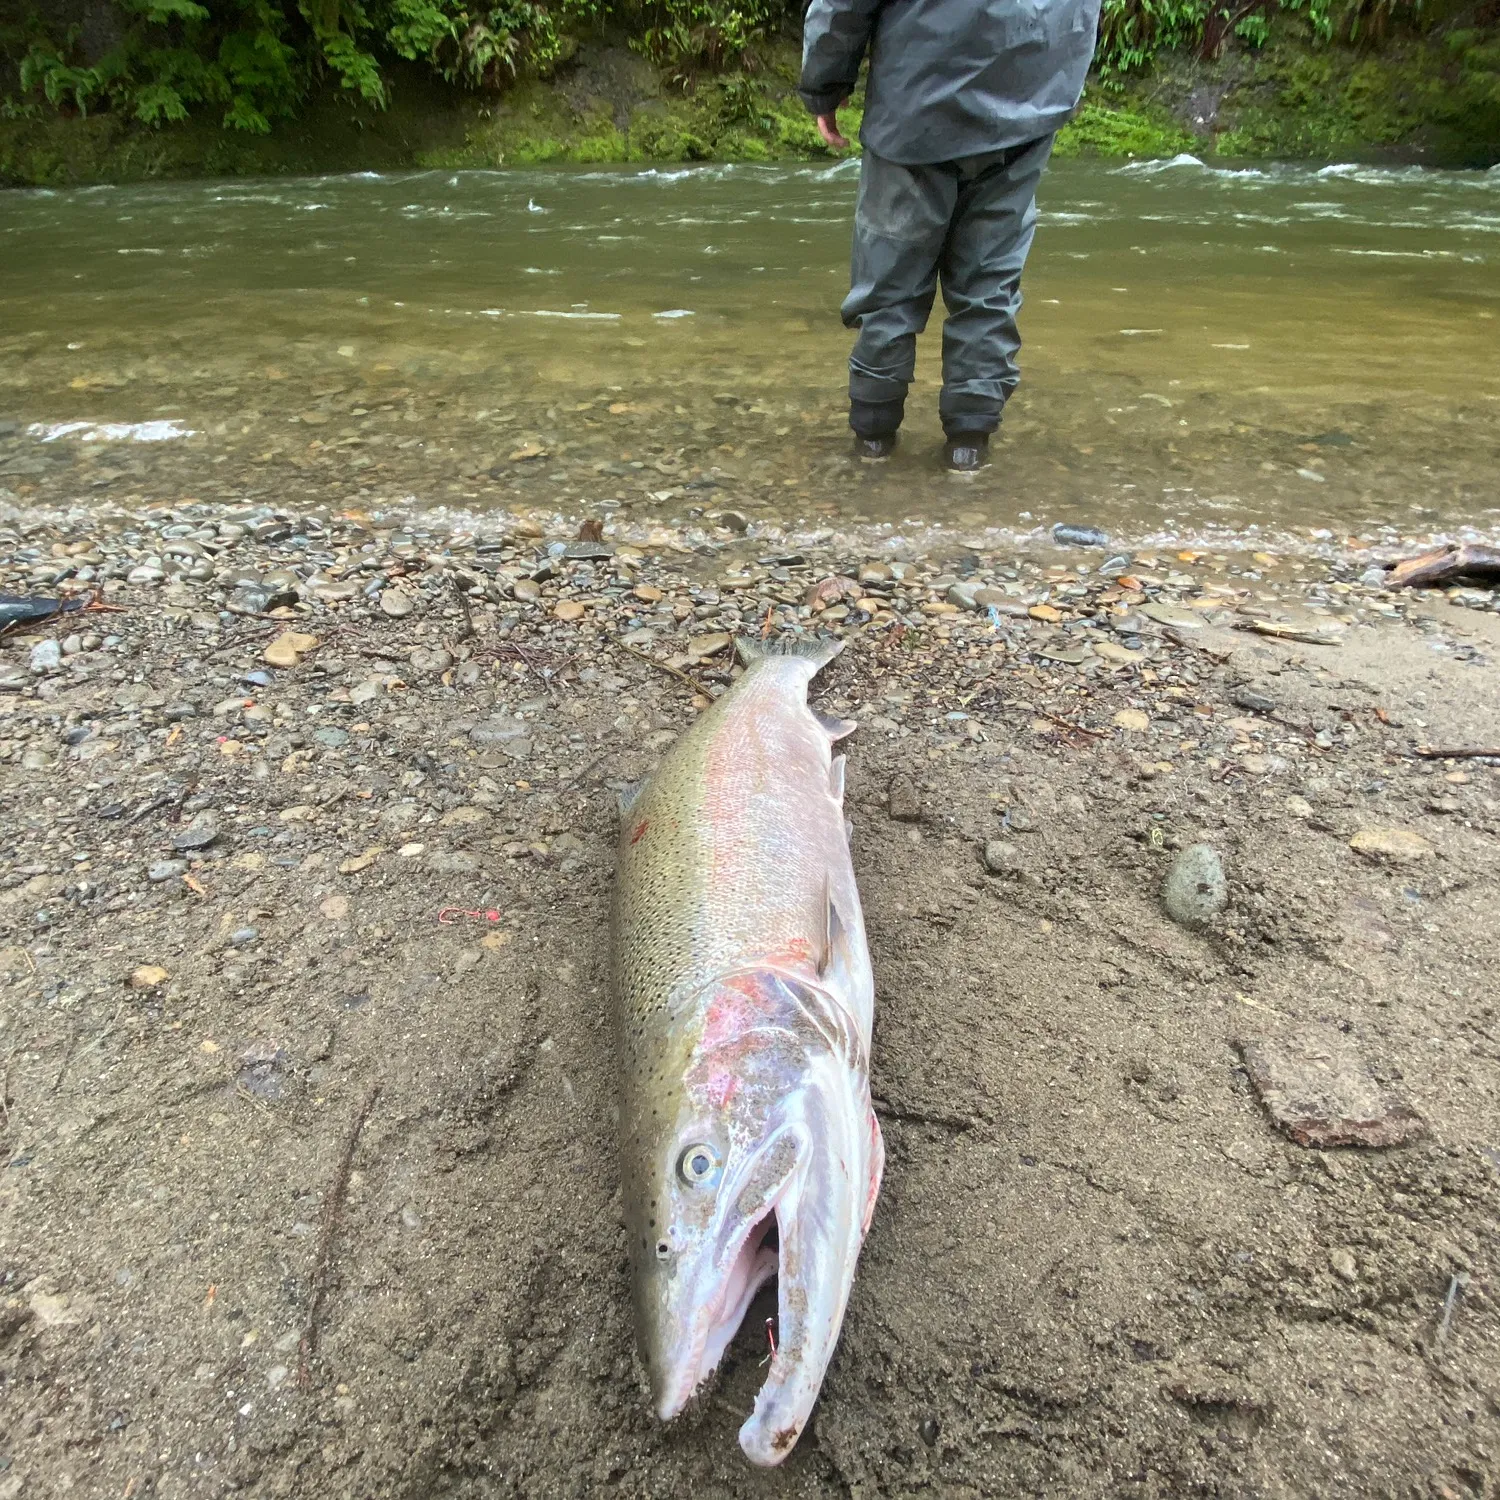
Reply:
x=766, y=1165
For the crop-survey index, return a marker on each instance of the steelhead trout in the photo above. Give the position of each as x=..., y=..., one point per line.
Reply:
x=744, y=1000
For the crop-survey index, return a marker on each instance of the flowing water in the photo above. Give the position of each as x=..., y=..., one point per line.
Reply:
x=1267, y=351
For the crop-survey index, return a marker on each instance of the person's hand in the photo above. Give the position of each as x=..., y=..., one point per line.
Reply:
x=828, y=128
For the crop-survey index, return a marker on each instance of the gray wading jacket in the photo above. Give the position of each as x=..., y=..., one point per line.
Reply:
x=949, y=78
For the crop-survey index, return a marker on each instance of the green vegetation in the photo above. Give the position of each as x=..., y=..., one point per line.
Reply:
x=96, y=90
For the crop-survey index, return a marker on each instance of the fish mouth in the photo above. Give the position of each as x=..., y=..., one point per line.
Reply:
x=745, y=1256
x=796, y=1213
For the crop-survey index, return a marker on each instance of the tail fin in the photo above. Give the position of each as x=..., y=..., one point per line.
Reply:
x=818, y=649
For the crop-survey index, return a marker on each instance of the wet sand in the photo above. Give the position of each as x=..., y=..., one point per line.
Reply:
x=309, y=1184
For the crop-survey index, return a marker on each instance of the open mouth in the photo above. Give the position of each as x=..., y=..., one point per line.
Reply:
x=750, y=1260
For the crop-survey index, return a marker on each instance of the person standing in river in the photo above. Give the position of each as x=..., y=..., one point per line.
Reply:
x=962, y=103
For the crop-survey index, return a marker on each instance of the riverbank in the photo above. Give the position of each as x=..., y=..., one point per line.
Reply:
x=306, y=1085
x=1435, y=101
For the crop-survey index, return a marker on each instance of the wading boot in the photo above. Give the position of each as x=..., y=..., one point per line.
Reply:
x=967, y=452
x=876, y=449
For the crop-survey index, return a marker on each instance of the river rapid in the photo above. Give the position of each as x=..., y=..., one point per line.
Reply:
x=1270, y=354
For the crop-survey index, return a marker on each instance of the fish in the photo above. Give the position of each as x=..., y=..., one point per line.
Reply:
x=744, y=999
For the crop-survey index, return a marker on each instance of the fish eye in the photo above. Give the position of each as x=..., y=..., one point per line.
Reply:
x=698, y=1165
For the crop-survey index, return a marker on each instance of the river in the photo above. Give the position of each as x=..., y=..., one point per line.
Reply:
x=1269, y=351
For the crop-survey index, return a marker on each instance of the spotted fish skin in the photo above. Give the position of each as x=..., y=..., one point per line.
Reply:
x=744, y=1000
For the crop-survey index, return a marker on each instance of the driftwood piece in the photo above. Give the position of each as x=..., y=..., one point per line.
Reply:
x=1467, y=562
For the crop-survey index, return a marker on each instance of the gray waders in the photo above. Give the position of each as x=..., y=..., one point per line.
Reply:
x=969, y=224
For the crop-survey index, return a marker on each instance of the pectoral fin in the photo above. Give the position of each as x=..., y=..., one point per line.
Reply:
x=837, y=968
x=628, y=796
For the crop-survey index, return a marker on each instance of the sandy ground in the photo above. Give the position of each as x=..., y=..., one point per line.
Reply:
x=330, y=1207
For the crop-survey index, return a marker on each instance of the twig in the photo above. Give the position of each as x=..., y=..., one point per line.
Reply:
x=541, y=676
x=1457, y=1282
x=5, y=1087
x=67, y=1057
x=333, y=1205
x=1098, y=734
x=663, y=666
x=579, y=775
x=1428, y=753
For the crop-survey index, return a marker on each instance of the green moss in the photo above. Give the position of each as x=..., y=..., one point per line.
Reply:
x=1292, y=98
x=1100, y=129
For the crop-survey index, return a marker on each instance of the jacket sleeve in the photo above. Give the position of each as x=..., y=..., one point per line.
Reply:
x=834, y=37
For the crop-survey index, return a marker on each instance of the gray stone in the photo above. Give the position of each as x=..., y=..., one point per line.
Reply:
x=497, y=731
x=395, y=604
x=1174, y=615
x=452, y=862
x=1256, y=702
x=1195, y=890
x=195, y=838
x=247, y=602
x=1001, y=857
x=963, y=595
x=166, y=869
x=430, y=662
x=46, y=656
x=905, y=801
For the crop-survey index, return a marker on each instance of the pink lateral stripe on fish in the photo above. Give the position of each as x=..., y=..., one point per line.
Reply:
x=744, y=1001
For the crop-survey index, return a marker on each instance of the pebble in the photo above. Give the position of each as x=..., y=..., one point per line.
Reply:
x=194, y=838
x=497, y=731
x=1112, y=651
x=569, y=609
x=526, y=590
x=396, y=604
x=430, y=662
x=46, y=656
x=905, y=801
x=148, y=977
x=166, y=869
x=1195, y=890
x=1173, y=615
x=1253, y=700
x=288, y=648
x=1067, y=535
x=1316, y=1087
x=1397, y=844
x=1001, y=857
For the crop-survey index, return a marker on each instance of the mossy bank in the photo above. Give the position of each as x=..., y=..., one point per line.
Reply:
x=1434, y=100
